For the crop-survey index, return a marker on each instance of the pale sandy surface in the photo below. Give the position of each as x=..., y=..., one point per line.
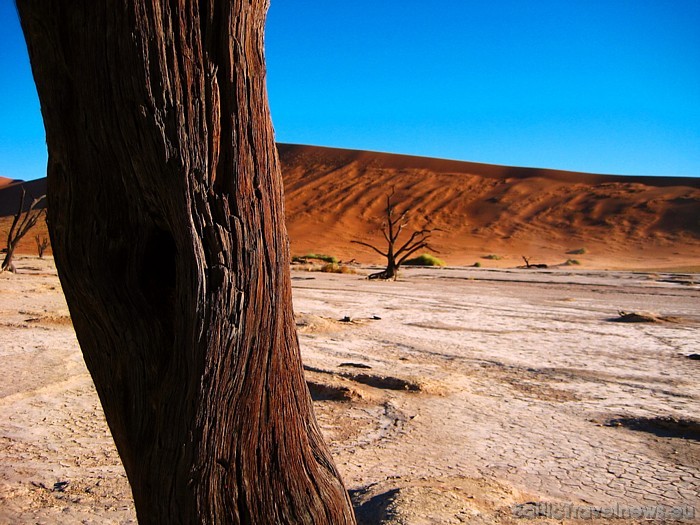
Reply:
x=474, y=391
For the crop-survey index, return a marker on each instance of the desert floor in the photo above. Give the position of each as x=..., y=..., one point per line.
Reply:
x=449, y=396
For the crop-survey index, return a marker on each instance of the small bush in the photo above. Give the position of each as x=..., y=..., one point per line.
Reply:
x=572, y=262
x=336, y=268
x=493, y=257
x=477, y=265
x=580, y=251
x=425, y=260
x=315, y=257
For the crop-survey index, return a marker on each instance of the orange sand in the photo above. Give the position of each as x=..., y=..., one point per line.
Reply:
x=334, y=196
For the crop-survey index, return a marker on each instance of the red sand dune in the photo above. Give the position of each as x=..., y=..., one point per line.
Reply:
x=334, y=196
x=4, y=181
x=11, y=190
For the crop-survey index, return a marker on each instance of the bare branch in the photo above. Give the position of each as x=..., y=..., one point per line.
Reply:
x=398, y=231
x=370, y=246
x=393, y=226
x=41, y=244
x=21, y=224
x=385, y=234
x=413, y=250
x=30, y=220
x=10, y=235
x=422, y=235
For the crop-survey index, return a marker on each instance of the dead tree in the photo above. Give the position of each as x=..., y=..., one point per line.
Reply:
x=392, y=227
x=530, y=266
x=166, y=218
x=41, y=244
x=23, y=221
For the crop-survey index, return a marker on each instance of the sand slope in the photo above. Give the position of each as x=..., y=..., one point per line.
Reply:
x=4, y=181
x=334, y=196
x=11, y=190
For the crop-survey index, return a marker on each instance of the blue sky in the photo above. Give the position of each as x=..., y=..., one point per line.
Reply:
x=606, y=86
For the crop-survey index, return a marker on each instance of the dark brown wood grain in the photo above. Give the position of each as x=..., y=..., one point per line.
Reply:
x=167, y=224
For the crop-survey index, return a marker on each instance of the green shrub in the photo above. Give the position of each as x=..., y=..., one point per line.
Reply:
x=579, y=251
x=425, y=260
x=572, y=262
x=493, y=257
x=477, y=265
x=315, y=257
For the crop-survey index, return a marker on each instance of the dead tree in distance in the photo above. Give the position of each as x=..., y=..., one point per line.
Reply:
x=528, y=265
x=166, y=218
x=392, y=228
x=23, y=221
x=41, y=244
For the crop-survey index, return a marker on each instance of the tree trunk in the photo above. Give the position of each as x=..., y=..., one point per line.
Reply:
x=391, y=266
x=7, y=263
x=390, y=272
x=166, y=219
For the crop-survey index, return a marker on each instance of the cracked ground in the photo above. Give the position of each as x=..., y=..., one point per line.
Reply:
x=449, y=396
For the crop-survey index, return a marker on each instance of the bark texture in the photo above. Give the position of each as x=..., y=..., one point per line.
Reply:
x=166, y=219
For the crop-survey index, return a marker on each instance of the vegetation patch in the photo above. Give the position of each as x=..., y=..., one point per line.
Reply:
x=578, y=251
x=315, y=257
x=572, y=262
x=336, y=268
x=54, y=319
x=320, y=262
x=308, y=323
x=493, y=257
x=425, y=260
